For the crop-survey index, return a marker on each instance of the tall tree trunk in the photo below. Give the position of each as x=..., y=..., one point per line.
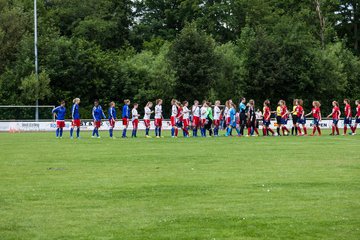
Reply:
x=356, y=25
x=321, y=21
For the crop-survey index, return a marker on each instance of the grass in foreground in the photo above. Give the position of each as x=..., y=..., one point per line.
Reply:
x=223, y=188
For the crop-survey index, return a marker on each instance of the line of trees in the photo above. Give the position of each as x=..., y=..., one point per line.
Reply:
x=187, y=49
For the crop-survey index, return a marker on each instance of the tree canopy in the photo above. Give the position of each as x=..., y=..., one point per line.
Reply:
x=188, y=49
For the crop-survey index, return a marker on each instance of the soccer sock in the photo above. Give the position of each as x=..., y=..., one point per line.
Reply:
x=61, y=132
x=57, y=132
x=299, y=130
x=333, y=130
x=257, y=132
x=238, y=131
x=71, y=132
x=147, y=131
x=286, y=129
x=345, y=129
x=242, y=129
x=354, y=128
x=176, y=132
x=319, y=130
x=249, y=131
x=97, y=132
x=270, y=130
x=159, y=131
x=78, y=132
x=94, y=131
x=228, y=131
x=314, y=130
x=292, y=130
x=156, y=131
x=264, y=131
x=194, y=132
x=111, y=132
x=124, y=132
x=296, y=131
x=172, y=132
x=186, y=131
x=305, y=130
x=337, y=130
x=283, y=130
x=135, y=132
x=278, y=131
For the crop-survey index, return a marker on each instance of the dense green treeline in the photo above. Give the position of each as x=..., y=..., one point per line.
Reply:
x=188, y=49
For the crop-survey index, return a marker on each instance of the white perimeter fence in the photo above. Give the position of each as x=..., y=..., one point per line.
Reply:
x=32, y=126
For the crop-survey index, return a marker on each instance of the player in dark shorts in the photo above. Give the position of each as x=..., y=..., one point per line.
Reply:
x=294, y=118
x=251, y=124
x=242, y=115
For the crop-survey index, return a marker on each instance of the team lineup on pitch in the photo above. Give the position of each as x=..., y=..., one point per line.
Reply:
x=212, y=119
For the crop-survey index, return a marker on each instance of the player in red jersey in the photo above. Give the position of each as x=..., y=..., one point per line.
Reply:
x=266, y=119
x=179, y=118
x=335, y=114
x=348, y=116
x=357, y=117
x=284, y=118
x=316, y=113
x=301, y=117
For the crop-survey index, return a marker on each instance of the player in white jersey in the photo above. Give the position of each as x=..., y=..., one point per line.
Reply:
x=134, y=119
x=173, y=118
x=227, y=114
x=203, y=118
x=196, y=117
x=147, y=115
x=217, y=118
x=186, y=118
x=158, y=117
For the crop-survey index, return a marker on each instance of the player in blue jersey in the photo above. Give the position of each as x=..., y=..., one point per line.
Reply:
x=125, y=116
x=75, y=115
x=59, y=113
x=112, y=118
x=97, y=114
x=232, y=124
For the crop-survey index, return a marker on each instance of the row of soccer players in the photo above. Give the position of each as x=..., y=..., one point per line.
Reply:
x=203, y=117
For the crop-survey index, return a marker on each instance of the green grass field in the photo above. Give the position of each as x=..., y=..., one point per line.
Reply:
x=223, y=188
